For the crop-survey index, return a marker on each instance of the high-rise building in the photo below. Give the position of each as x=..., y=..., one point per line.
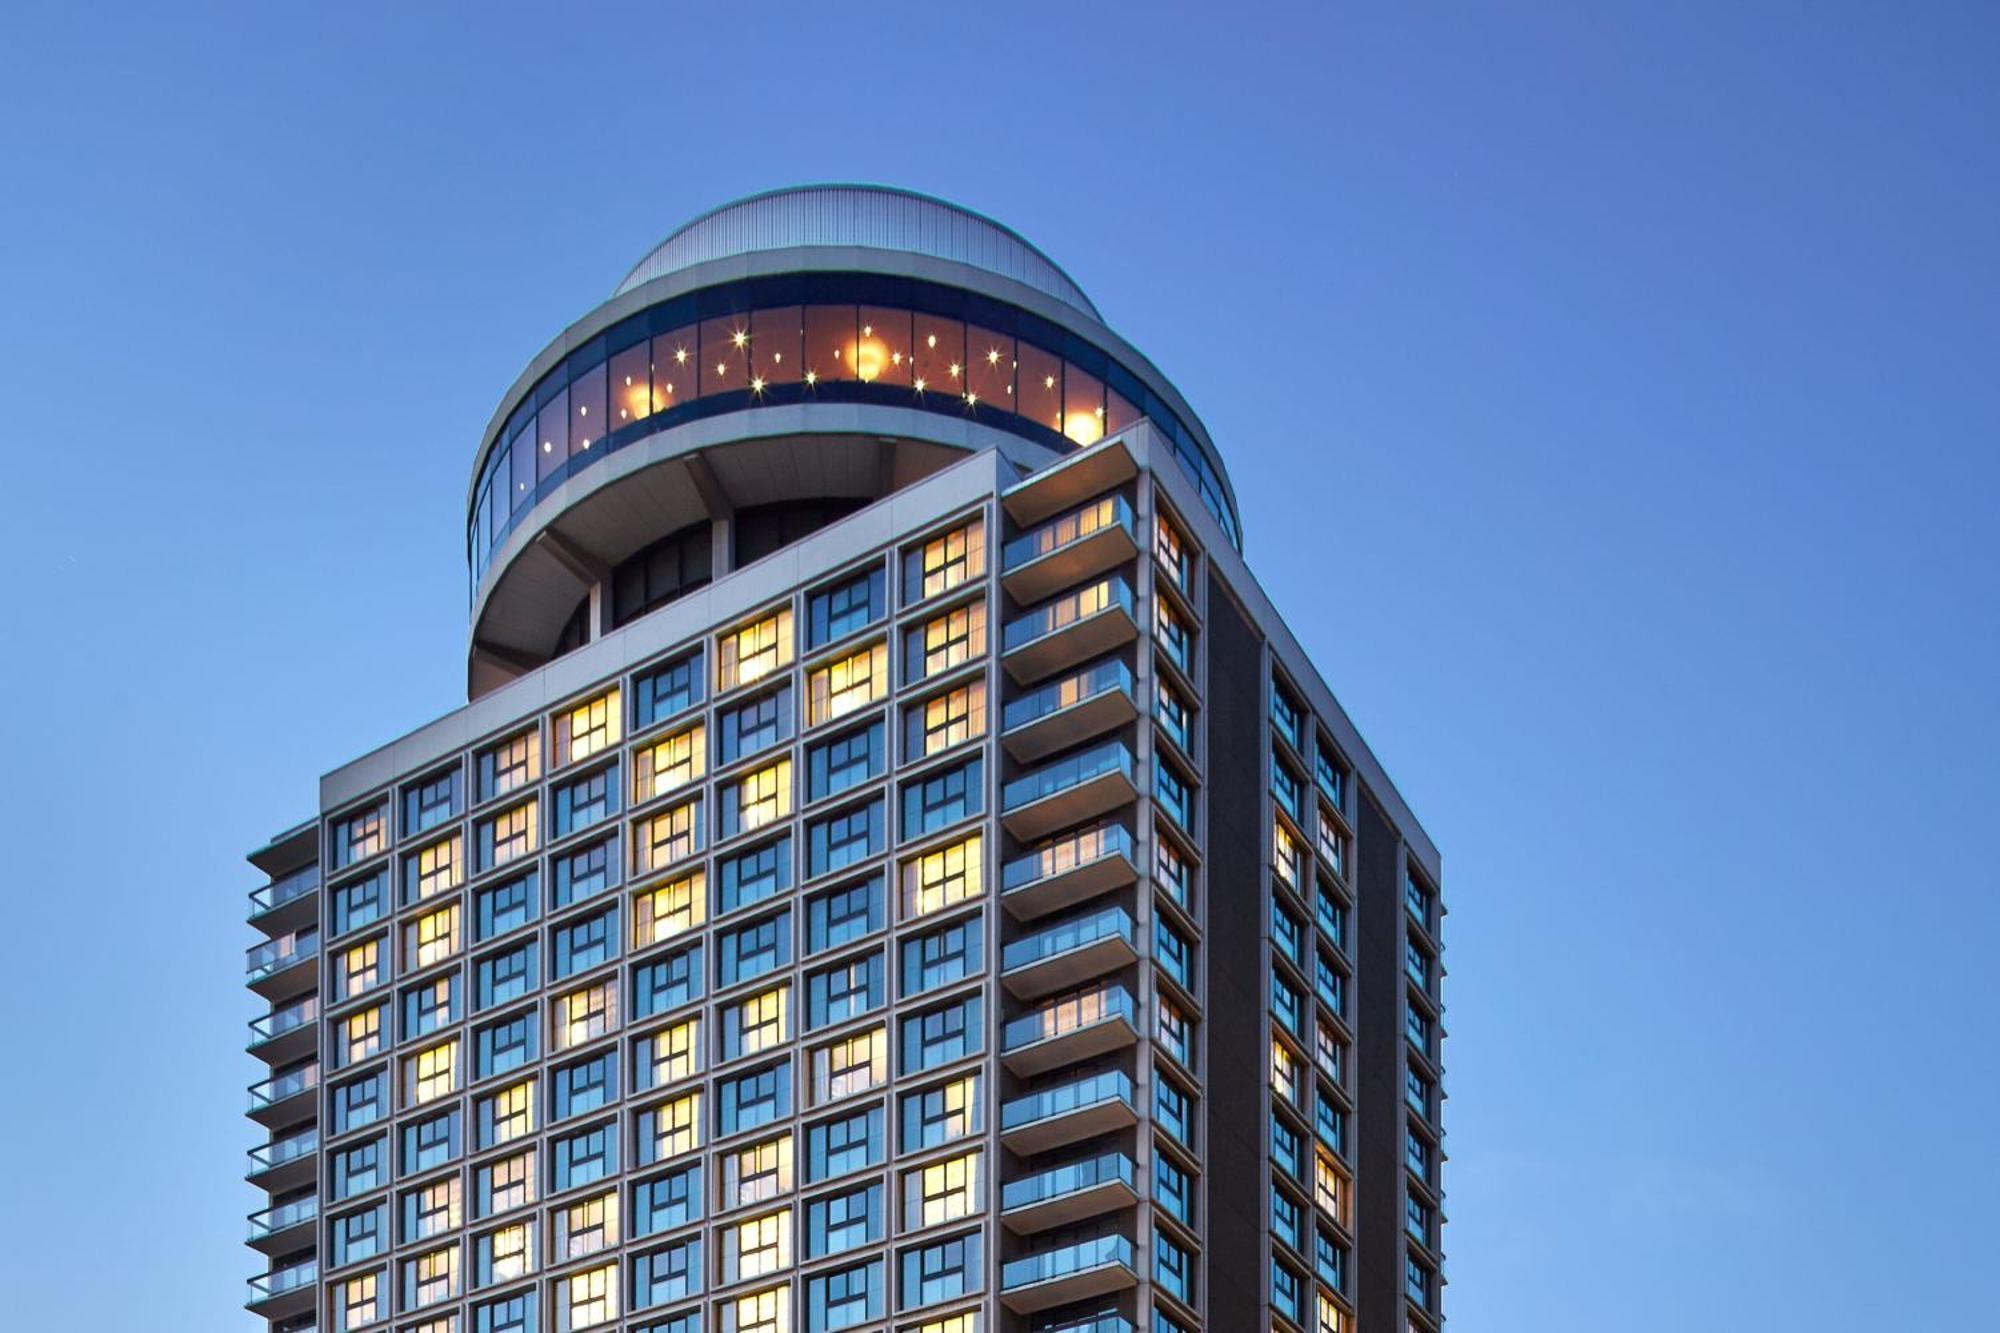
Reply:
x=896, y=871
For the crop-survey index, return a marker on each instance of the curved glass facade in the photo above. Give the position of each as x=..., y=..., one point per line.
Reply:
x=819, y=337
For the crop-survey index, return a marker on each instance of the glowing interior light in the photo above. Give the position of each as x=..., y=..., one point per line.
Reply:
x=777, y=358
x=1083, y=427
x=896, y=358
x=721, y=369
x=867, y=330
x=972, y=400
x=868, y=357
x=920, y=384
x=583, y=409
x=628, y=381
x=1048, y=381
x=930, y=340
x=548, y=448
x=954, y=369
x=739, y=337
x=756, y=384
x=680, y=356
x=992, y=356
x=812, y=377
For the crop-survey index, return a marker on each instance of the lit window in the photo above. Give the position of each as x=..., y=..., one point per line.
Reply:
x=757, y=1246
x=361, y=1035
x=670, y=764
x=506, y=1184
x=1329, y=1318
x=1284, y=1072
x=507, y=1253
x=951, y=718
x=759, y=1023
x=669, y=909
x=1170, y=548
x=941, y=1191
x=667, y=837
x=586, y=1226
x=586, y=729
x=1285, y=854
x=753, y=652
x=756, y=1173
x=850, y=1066
x=433, y=1073
x=357, y=1301
x=671, y=1128
x=757, y=799
x=759, y=1312
x=944, y=641
x=435, y=869
x=510, y=765
x=847, y=683
x=513, y=1113
x=588, y=1298
x=584, y=1015
x=360, y=968
x=945, y=562
x=509, y=835
x=1329, y=1187
x=670, y=1054
x=359, y=836
x=967, y=1322
x=433, y=937
x=939, y=879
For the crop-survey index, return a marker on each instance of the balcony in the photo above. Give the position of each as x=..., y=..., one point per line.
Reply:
x=1076, y=706
x=1065, y=956
x=281, y=1098
x=1072, y=869
x=274, y=968
x=286, y=1033
x=283, y=1291
x=1072, y=1273
x=284, y=1163
x=1081, y=624
x=1066, y=550
x=1068, y=791
x=1077, y=1027
x=1090, y=1323
x=283, y=904
x=1066, y=1195
x=1068, y=1114
x=284, y=1226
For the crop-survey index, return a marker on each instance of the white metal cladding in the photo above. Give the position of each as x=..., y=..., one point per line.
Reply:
x=871, y=216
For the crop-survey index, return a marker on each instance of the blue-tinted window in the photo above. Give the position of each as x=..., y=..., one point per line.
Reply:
x=1285, y=1146
x=750, y=727
x=941, y=798
x=844, y=1298
x=1284, y=1291
x=1173, y=1268
x=1330, y=1259
x=756, y=1098
x=1173, y=953
x=360, y=1102
x=430, y=1006
x=505, y=1045
x=1286, y=932
x=670, y=1273
x=844, y=838
x=941, y=1271
x=1174, y=795
x=1329, y=984
x=838, y=916
x=358, y=1169
x=584, y=1157
x=358, y=1236
x=666, y=1202
x=847, y=1143
x=431, y=1142
x=947, y=954
x=1173, y=1188
x=845, y=990
x=1331, y=776
x=941, y=1035
x=1287, y=790
x=499, y=908
x=509, y=1314
x=933, y=1116
x=1330, y=1123
x=754, y=875
x=752, y=950
x=504, y=976
x=844, y=761
x=583, y=944
x=1285, y=1215
x=1170, y=1108
x=667, y=983
x=584, y=1086
x=842, y=1222
x=365, y=900
x=586, y=801
x=665, y=691
x=852, y=604
x=578, y=874
x=688, y=1321
x=432, y=801
x=1285, y=715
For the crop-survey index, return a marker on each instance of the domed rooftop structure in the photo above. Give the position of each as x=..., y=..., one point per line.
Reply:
x=870, y=217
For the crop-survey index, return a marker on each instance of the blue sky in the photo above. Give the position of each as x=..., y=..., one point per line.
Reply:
x=1609, y=389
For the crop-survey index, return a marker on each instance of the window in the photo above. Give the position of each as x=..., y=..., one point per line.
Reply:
x=509, y=1314
x=588, y=800
x=840, y=609
x=431, y=938
x=585, y=871
x=664, y=838
x=504, y=1185
x=360, y=969
x=1175, y=718
x=507, y=1114
x=668, y=765
x=667, y=1056
x=844, y=1298
x=941, y=1192
x=510, y=765
x=758, y=1172
x=753, y=1099
x=1329, y=1187
x=670, y=1273
x=584, y=1227
x=759, y=1312
x=501, y=977
x=431, y=1143
x=757, y=1246
x=1176, y=642
x=430, y=1006
x=583, y=1015
x=753, y=949
x=429, y=1075
x=753, y=726
x=754, y=800
x=1288, y=790
x=432, y=870
x=841, y=1222
x=939, y=1114
x=1171, y=1108
x=587, y=1299
x=1174, y=794
x=666, y=1202
x=844, y=838
x=1284, y=1072
x=948, y=719
x=508, y=836
x=358, y=1236
x=848, y=760
x=1286, y=715
x=847, y=683
x=1285, y=854
x=1173, y=1268
x=850, y=1143
x=357, y=1301
x=1173, y=1188
x=589, y=728
x=1176, y=1035
x=1171, y=550
x=671, y=1128
x=1328, y=1051
x=659, y=694
x=358, y=1169
x=1332, y=845
x=753, y=652
x=1285, y=1291
x=1330, y=775
x=664, y=911
x=507, y=1044
x=430, y=1210
x=945, y=562
x=667, y=984
x=950, y=953
x=850, y=1066
x=580, y=1088
x=754, y=875
x=755, y=1024
x=941, y=1035
x=358, y=836
x=583, y=1157
x=1173, y=953
x=843, y=991
x=1329, y=984
x=360, y=902
x=842, y=915
x=583, y=943
x=943, y=797
x=1417, y=1280
x=361, y=1102
x=499, y=908
x=503, y=1255
x=941, y=1271
x=947, y=640
x=938, y=879
x=1171, y=872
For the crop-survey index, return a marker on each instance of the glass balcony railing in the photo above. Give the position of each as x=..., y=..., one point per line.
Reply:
x=1078, y=1258
x=280, y=1021
x=1065, y=854
x=1110, y=1086
x=280, y=1086
x=280, y=1151
x=276, y=955
x=1071, y=1013
x=1060, y=613
x=283, y=890
x=281, y=1280
x=1110, y=757
x=1070, y=1179
x=283, y=1216
x=1091, y=1323
x=1052, y=536
x=1108, y=923
x=1066, y=691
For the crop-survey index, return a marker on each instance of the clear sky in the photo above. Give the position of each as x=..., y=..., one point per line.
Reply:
x=1611, y=392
